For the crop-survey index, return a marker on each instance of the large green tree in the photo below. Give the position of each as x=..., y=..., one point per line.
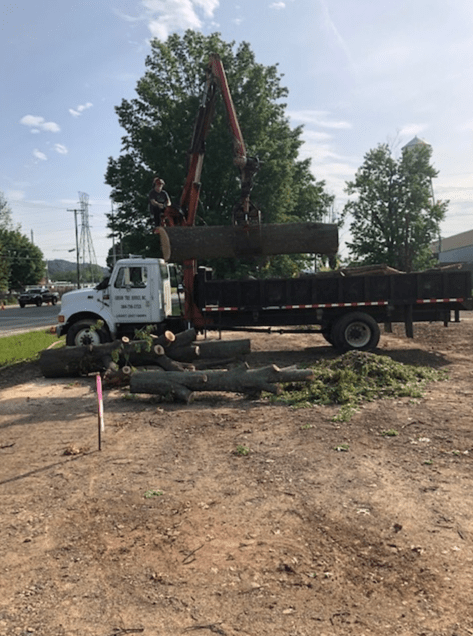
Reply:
x=158, y=125
x=24, y=260
x=4, y=269
x=6, y=222
x=394, y=217
x=20, y=261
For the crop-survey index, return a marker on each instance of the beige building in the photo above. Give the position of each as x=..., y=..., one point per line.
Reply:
x=455, y=249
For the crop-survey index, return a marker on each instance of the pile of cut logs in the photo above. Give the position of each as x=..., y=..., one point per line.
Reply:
x=180, y=366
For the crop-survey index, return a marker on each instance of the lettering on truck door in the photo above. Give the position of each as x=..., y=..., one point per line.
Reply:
x=131, y=294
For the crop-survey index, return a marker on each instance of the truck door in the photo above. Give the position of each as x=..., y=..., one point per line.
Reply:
x=132, y=294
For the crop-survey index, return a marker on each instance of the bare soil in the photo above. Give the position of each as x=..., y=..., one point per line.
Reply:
x=295, y=538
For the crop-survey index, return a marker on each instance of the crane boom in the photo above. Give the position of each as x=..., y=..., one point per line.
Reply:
x=243, y=211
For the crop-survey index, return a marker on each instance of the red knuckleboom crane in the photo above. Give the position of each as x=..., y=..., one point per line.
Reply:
x=244, y=212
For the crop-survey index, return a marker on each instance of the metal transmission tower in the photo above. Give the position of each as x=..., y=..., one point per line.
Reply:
x=86, y=246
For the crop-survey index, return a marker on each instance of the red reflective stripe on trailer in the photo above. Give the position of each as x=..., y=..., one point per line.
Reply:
x=430, y=301
x=375, y=303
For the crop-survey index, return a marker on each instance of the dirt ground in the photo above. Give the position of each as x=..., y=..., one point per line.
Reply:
x=167, y=530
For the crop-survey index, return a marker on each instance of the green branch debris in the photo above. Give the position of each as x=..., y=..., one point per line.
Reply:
x=358, y=377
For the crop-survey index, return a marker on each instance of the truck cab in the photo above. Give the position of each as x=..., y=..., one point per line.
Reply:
x=137, y=294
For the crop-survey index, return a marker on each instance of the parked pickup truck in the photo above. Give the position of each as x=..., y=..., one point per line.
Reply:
x=37, y=296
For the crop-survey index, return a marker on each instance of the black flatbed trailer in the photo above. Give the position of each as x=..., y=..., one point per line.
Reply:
x=347, y=308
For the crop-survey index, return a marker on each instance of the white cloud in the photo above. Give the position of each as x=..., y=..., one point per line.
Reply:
x=277, y=5
x=62, y=150
x=467, y=126
x=15, y=195
x=77, y=112
x=412, y=130
x=166, y=16
x=331, y=28
x=39, y=155
x=38, y=123
x=318, y=118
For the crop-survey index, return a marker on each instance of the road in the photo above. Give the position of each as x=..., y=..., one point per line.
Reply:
x=15, y=320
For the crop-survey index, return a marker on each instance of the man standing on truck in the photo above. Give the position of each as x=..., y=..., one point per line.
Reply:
x=158, y=201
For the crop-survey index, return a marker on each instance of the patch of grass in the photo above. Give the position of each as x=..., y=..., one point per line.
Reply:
x=25, y=346
x=390, y=433
x=357, y=377
x=241, y=450
x=149, y=494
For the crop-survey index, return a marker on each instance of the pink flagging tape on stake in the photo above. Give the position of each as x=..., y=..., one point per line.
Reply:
x=100, y=401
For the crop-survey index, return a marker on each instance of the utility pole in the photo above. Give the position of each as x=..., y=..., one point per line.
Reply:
x=77, y=247
x=114, y=249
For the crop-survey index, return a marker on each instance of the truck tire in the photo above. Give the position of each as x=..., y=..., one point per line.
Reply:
x=80, y=334
x=53, y=300
x=357, y=331
x=22, y=305
x=38, y=302
x=327, y=334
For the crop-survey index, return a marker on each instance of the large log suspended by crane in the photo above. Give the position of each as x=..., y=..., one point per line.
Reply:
x=181, y=243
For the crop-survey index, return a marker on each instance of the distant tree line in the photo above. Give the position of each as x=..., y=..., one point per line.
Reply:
x=21, y=262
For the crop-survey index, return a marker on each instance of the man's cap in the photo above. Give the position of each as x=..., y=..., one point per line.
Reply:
x=158, y=180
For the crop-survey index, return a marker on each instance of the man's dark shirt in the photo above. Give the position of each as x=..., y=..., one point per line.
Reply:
x=155, y=211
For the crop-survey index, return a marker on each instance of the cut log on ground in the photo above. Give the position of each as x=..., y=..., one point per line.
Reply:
x=116, y=377
x=238, y=380
x=72, y=362
x=256, y=240
x=184, y=354
x=182, y=339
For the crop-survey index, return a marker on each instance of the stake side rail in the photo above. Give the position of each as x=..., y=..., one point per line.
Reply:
x=317, y=300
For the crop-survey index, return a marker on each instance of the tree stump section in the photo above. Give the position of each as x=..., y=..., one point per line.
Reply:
x=238, y=380
x=169, y=351
x=233, y=241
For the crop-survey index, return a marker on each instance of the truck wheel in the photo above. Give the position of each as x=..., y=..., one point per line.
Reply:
x=327, y=334
x=38, y=302
x=81, y=334
x=53, y=300
x=357, y=330
x=22, y=305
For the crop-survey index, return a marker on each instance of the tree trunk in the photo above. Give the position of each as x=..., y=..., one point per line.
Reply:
x=256, y=240
x=184, y=354
x=72, y=362
x=238, y=380
x=182, y=339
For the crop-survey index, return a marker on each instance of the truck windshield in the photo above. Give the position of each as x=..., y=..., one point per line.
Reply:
x=131, y=277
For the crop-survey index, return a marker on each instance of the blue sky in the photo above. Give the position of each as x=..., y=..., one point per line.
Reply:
x=359, y=73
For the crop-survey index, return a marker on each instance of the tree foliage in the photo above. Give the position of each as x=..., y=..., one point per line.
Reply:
x=6, y=222
x=21, y=262
x=24, y=260
x=395, y=218
x=158, y=126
